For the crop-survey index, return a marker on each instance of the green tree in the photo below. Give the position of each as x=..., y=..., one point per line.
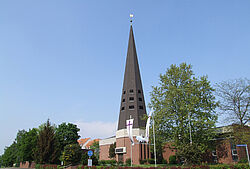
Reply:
x=67, y=134
x=184, y=105
x=19, y=137
x=21, y=149
x=1, y=161
x=234, y=99
x=112, y=150
x=10, y=155
x=95, y=147
x=72, y=154
x=26, y=144
x=47, y=149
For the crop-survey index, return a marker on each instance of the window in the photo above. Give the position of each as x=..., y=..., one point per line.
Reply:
x=131, y=98
x=131, y=107
x=131, y=91
x=141, y=150
x=123, y=108
x=139, y=91
x=141, y=107
x=144, y=150
x=140, y=99
x=234, y=152
x=124, y=92
x=123, y=100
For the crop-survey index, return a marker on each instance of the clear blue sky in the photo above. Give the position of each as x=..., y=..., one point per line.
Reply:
x=65, y=60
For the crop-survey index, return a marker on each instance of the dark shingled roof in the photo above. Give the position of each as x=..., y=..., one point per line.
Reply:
x=132, y=100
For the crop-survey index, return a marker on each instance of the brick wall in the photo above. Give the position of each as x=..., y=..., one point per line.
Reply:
x=104, y=152
x=139, y=151
x=24, y=164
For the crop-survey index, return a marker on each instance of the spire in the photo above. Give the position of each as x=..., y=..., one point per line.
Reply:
x=132, y=100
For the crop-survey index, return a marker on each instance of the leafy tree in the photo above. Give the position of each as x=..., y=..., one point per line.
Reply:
x=20, y=135
x=72, y=154
x=192, y=153
x=47, y=149
x=21, y=149
x=234, y=97
x=184, y=105
x=18, y=140
x=26, y=144
x=10, y=155
x=1, y=161
x=112, y=150
x=95, y=147
x=67, y=134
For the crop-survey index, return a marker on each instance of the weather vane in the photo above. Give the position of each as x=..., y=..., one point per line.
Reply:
x=131, y=18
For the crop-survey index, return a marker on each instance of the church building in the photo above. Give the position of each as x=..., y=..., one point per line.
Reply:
x=132, y=106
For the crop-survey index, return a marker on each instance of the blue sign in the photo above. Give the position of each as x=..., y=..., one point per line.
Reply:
x=90, y=153
x=241, y=145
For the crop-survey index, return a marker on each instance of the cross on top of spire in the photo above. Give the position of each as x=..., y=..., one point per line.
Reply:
x=131, y=18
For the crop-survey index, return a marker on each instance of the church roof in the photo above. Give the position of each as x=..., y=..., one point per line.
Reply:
x=132, y=100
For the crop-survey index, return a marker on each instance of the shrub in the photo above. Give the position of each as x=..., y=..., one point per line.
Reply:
x=113, y=162
x=164, y=161
x=244, y=160
x=99, y=167
x=172, y=159
x=151, y=161
x=143, y=161
x=37, y=166
x=107, y=162
x=128, y=162
x=241, y=166
x=120, y=163
x=101, y=162
x=219, y=166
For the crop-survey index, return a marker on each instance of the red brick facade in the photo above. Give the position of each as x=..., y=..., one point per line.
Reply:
x=226, y=152
x=104, y=152
x=139, y=151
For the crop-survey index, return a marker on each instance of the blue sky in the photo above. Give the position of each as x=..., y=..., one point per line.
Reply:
x=65, y=60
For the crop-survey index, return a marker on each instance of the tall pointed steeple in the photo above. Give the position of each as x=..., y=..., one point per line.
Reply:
x=132, y=100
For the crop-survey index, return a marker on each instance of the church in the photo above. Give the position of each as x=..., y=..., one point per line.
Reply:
x=132, y=106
